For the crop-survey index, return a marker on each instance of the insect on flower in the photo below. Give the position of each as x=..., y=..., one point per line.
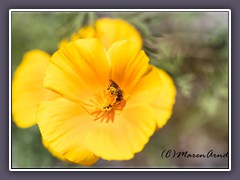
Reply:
x=115, y=90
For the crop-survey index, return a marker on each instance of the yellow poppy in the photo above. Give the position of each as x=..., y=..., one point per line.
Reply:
x=106, y=105
x=27, y=87
x=108, y=30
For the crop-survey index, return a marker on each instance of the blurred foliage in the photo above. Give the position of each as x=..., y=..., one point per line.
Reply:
x=191, y=46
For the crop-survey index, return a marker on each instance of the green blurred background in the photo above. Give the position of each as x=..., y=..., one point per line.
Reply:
x=191, y=46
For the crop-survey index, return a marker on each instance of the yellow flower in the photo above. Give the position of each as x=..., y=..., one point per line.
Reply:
x=27, y=87
x=108, y=30
x=106, y=105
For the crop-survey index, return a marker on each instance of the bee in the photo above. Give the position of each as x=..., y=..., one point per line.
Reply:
x=115, y=90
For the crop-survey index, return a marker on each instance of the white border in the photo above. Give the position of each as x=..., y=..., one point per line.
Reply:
x=121, y=10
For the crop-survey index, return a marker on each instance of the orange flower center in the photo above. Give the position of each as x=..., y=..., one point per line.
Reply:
x=106, y=101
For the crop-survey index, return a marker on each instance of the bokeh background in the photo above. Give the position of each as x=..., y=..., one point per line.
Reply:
x=191, y=46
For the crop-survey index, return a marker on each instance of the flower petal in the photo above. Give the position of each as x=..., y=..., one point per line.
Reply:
x=127, y=135
x=52, y=151
x=84, y=32
x=129, y=64
x=27, y=87
x=78, y=69
x=64, y=124
x=111, y=30
x=147, y=89
x=108, y=31
x=165, y=100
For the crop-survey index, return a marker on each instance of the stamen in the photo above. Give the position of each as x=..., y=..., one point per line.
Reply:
x=105, y=102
